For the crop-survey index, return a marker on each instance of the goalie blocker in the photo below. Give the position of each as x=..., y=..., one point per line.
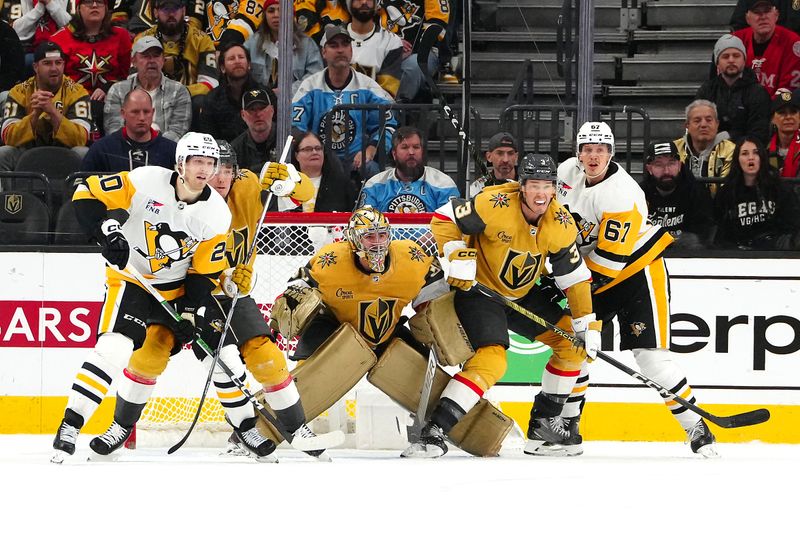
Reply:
x=345, y=357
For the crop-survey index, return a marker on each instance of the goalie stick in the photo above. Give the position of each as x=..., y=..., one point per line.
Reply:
x=227, y=326
x=306, y=444
x=749, y=418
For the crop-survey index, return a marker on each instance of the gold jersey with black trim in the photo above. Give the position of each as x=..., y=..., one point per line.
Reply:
x=614, y=234
x=246, y=202
x=373, y=302
x=168, y=238
x=511, y=252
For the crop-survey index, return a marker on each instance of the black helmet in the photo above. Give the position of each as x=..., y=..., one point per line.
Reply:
x=227, y=156
x=535, y=167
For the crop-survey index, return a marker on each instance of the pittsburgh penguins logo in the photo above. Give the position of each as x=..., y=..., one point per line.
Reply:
x=519, y=269
x=401, y=15
x=164, y=246
x=236, y=249
x=375, y=318
x=585, y=229
x=342, y=127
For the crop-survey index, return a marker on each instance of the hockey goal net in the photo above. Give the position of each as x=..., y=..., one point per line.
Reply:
x=286, y=242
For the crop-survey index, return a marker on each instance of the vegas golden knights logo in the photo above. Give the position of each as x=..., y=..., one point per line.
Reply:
x=237, y=250
x=519, y=269
x=13, y=204
x=375, y=318
x=165, y=246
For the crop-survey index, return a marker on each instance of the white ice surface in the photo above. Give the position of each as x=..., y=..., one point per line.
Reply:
x=645, y=487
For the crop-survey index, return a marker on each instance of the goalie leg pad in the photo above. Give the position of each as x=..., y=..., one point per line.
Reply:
x=334, y=368
x=151, y=359
x=400, y=373
x=439, y=325
x=265, y=361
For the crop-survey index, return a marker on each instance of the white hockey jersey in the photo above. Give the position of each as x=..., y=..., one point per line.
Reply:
x=614, y=235
x=379, y=55
x=168, y=238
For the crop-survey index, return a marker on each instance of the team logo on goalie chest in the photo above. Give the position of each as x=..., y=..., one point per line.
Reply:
x=416, y=254
x=519, y=269
x=375, y=318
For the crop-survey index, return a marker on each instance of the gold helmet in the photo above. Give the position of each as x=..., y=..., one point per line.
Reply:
x=369, y=234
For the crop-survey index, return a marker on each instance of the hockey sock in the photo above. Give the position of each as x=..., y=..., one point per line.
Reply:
x=558, y=383
x=132, y=395
x=459, y=396
x=577, y=397
x=285, y=401
x=659, y=366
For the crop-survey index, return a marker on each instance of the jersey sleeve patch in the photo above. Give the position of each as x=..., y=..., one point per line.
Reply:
x=466, y=217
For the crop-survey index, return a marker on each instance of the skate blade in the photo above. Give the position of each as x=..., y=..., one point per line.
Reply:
x=95, y=457
x=422, y=451
x=708, y=452
x=324, y=457
x=542, y=449
x=267, y=459
x=58, y=457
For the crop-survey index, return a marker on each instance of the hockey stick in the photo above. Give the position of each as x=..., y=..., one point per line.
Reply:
x=415, y=429
x=749, y=418
x=225, y=329
x=318, y=442
x=426, y=43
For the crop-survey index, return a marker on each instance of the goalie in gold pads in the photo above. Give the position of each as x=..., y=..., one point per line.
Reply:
x=501, y=238
x=249, y=334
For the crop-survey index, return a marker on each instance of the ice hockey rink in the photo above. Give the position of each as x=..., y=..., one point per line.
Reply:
x=614, y=486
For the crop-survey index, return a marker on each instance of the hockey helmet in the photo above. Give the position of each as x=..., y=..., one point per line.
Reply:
x=195, y=144
x=227, y=155
x=595, y=133
x=369, y=234
x=537, y=167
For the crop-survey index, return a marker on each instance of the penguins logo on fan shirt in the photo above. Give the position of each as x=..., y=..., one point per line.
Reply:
x=343, y=129
x=401, y=14
x=237, y=250
x=164, y=246
x=519, y=268
x=218, y=15
x=406, y=203
x=375, y=318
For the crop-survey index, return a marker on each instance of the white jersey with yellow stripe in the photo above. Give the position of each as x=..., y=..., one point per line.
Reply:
x=614, y=235
x=168, y=238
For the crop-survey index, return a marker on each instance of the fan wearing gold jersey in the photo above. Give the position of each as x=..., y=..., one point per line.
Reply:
x=175, y=235
x=624, y=252
x=501, y=238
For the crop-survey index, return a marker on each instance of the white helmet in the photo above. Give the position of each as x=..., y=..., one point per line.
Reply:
x=595, y=133
x=192, y=144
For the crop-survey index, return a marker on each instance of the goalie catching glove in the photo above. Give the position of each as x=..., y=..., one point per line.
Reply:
x=463, y=264
x=284, y=180
x=587, y=329
x=294, y=309
x=236, y=280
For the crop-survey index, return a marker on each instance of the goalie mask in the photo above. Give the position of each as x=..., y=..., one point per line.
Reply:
x=369, y=234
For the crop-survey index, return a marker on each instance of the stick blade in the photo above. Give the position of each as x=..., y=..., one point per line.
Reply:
x=323, y=441
x=750, y=418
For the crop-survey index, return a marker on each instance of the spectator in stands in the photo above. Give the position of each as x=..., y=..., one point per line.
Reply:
x=256, y=145
x=98, y=54
x=378, y=53
x=136, y=15
x=48, y=109
x=784, y=147
x=675, y=200
x=137, y=144
x=12, y=60
x=410, y=19
x=189, y=54
x=773, y=52
x=221, y=115
x=410, y=187
x=334, y=189
x=754, y=209
x=263, y=47
x=40, y=19
x=788, y=14
x=705, y=150
x=340, y=83
x=742, y=103
x=502, y=158
x=313, y=16
x=171, y=100
x=226, y=22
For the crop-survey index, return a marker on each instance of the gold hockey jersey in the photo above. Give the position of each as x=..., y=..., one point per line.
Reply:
x=511, y=252
x=168, y=238
x=614, y=235
x=372, y=302
x=71, y=99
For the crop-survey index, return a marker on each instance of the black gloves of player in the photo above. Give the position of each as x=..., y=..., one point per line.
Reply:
x=209, y=321
x=115, y=246
x=184, y=331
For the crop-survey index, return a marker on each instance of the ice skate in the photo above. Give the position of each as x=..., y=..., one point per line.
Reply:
x=113, y=439
x=248, y=437
x=701, y=440
x=553, y=437
x=430, y=445
x=305, y=432
x=64, y=442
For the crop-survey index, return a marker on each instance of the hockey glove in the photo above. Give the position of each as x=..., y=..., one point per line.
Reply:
x=587, y=329
x=238, y=279
x=209, y=322
x=294, y=310
x=463, y=265
x=278, y=178
x=184, y=329
x=115, y=246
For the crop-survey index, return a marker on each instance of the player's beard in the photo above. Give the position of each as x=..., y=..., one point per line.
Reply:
x=364, y=14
